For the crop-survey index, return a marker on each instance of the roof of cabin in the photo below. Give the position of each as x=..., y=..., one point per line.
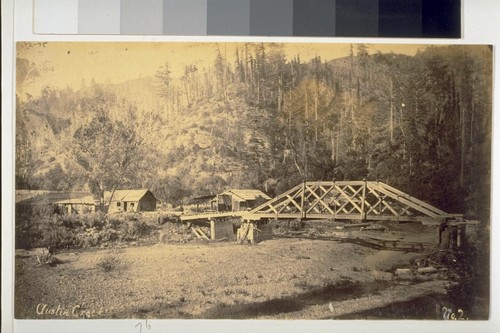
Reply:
x=52, y=197
x=128, y=195
x=246, y=195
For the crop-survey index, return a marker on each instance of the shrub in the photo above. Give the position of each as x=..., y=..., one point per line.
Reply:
x=109, y=235
x=71, y=221
x=134, y=229
x=91, y=237
x=43, y=228
x=55, y=235
x=116, y=221
x=297, y=225
x=93, y=220
x=110, y=261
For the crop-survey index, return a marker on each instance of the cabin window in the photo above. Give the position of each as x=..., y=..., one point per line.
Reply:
x=118, y=204
x=132, y=204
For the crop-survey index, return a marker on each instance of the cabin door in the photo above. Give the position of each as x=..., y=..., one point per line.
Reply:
x=125, y=206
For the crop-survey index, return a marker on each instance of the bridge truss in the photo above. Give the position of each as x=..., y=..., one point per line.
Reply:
x=349, y=200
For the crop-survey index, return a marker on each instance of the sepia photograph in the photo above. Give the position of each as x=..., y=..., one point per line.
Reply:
x=248, y=180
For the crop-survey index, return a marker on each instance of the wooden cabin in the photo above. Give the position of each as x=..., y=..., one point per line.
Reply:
x=141, y=200
x=234, y=200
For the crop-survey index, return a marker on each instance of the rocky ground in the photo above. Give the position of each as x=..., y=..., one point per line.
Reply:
x=283, y=278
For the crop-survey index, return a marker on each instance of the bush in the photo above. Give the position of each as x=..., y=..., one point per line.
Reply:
x=109, y=235
x=41, y=227
x=137, y=229
x=111, y=261
x=55, y=235
x=113, y=222
x=90, y=237
x=294, y=225
x=297, y=225
x=93, y=220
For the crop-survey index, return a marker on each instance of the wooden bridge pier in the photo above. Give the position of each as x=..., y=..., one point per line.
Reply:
x=451, y=235
x=221, y=228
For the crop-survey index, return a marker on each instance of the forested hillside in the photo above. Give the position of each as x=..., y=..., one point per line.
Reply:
x=260, y=119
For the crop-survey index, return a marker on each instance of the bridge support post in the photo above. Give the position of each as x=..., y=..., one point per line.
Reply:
x=212, y=229
x=461, y=237
x=363, y=199
x=451, y=236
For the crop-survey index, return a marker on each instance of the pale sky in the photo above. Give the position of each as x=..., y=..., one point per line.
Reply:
x=115, y=62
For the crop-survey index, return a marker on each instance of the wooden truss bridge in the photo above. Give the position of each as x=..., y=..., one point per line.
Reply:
x=350, y=200
x=358, y=201
x=342, y=200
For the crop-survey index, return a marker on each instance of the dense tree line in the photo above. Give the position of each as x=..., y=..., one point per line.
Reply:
x=255, y=119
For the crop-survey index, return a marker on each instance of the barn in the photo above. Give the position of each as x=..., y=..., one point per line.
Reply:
x=141, y=200
x=234, y=200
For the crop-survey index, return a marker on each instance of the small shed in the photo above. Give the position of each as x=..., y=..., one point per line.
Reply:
x=205, y=203
x=78, y=205
x=141, y=200
x=68, y=201
x=234, y=200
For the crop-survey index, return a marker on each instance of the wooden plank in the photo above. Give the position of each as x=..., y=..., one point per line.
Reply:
x=405, y=201
x=325, y=191
x=363, y=199
x=302, y=199
x=413, y=199
x=207, y=216
x=356, y=225
x=278, y=198
x=294, y=203
x=371, y=208
x=196, y=233
x=202, y=234
x=348, y=198
x=338, y=182
x=354, y=191
x=288, y=198
x=320, y=200
x=382, y=200
x=416, y=201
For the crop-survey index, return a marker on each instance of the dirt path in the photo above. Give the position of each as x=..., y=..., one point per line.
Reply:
x=284, y=278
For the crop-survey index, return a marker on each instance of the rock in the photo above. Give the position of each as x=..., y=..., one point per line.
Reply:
x=401, y=271
x=404, y=273
x=422, y=278
x=40, y=251
x=425, y=270
x=380, y=275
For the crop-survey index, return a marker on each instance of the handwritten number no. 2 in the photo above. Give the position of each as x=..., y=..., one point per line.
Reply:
x=461, y=313
x=448, y=314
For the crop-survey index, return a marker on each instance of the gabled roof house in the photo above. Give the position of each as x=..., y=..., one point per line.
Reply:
x=141, y=200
